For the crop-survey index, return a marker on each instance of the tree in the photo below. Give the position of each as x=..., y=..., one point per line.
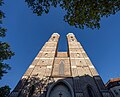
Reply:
x=2, y=30
x=4, y=91
x=79, y=13
x=5, y=53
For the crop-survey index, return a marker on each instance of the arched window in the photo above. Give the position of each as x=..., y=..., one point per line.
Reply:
x=53, y=38
x=60, y=88
x=91, y=92
x=46, y=54
x=72, y=39
x=61, y=68
x=78, y=55
x=31, y=91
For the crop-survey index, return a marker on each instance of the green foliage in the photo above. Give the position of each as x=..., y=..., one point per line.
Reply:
x=2, y=32
x=1, y=2
x=4, y=91
x=5, y=52
x=79, y=13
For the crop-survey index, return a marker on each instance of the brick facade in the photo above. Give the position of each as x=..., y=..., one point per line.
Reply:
x=61, y=74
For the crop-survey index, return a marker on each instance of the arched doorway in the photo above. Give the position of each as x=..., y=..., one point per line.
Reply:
x=91, y=92
x=60, y=89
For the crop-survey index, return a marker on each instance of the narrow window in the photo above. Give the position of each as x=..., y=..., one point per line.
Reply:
x=61, y=68
x=119, y=89
x=42, y=61
x=115, y=92
x=31, y=91
x=46, y=54
x=53, y=38
x=72, y=39
x=91, y=92
x=78, y=55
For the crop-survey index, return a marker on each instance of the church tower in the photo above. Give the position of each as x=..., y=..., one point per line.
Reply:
x=61, y=74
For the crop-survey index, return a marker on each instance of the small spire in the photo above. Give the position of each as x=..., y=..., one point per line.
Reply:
x=71, y=34
x=56, y=34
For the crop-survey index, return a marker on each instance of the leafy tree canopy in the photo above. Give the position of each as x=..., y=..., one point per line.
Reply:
x=2, y=30
x=79, y=13
x=5, y=52
x=4, y=91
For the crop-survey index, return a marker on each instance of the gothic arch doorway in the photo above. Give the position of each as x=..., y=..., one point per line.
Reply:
x=91, y=92
x=60, y=89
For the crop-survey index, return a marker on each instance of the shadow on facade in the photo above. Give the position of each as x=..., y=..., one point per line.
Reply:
x=79, y=86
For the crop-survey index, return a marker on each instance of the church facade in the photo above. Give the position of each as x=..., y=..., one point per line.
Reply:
x=61, y=74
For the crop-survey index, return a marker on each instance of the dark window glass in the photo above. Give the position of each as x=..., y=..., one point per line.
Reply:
x=90, y=92
x=31, y=91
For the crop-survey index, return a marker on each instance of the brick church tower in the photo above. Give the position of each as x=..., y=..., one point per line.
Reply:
x=61, y=74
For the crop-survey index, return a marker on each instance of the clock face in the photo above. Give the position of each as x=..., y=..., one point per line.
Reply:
x=60, y=90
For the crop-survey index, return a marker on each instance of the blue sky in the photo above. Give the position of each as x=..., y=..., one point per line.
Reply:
x=27, y=33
